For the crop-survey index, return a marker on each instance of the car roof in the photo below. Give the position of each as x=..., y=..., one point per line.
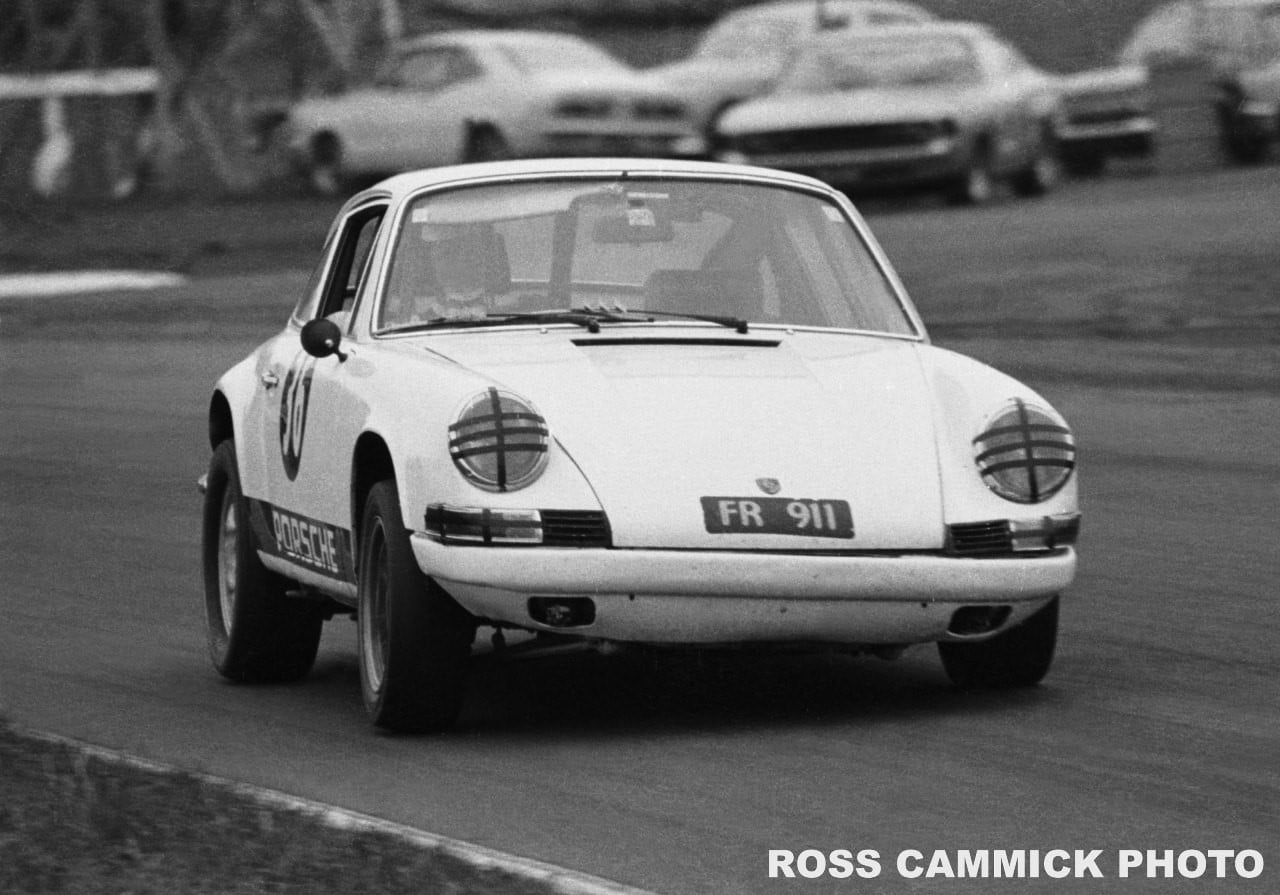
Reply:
x=399, y=186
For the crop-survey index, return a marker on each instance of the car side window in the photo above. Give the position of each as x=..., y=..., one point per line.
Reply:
x=349, y=268
x=436, y=68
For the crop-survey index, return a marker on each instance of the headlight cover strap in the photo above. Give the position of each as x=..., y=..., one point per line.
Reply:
x=499, y=442
x=1025, y=455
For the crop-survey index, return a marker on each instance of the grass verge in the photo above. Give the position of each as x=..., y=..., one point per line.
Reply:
x=75, y=821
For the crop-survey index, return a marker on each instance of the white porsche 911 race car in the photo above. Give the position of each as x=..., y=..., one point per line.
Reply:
x=622, y=402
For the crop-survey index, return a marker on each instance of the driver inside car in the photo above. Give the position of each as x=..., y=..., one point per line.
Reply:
x=455, y=274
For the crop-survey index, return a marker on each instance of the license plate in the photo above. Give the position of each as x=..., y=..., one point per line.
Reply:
x=778, y=516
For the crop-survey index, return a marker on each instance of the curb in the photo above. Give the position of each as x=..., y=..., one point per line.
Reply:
x=80, y=282
x=561, y=880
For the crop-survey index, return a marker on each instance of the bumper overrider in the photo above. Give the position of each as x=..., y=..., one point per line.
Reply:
x=721, y=597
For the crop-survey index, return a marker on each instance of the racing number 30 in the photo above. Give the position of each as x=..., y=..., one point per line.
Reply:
x=293, y=411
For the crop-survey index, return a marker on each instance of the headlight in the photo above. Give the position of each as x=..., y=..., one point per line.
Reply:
x=499, y=442
x=1025, y=454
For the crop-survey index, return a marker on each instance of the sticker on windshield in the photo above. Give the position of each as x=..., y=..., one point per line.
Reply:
x=833, y=213
x=293, y=411
x=641, y=217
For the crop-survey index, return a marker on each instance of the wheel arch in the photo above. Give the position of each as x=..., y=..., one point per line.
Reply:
x=371, y=463
x=221, y=422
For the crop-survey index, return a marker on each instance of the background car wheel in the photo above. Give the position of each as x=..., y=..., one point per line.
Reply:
x=256, y=633
x=414, y=639
x=1085, y=166
x=1042, y=173
x=1019, y=657
x=485, y=144
x=977, y=186
x=1243, y=146
x=324, y=172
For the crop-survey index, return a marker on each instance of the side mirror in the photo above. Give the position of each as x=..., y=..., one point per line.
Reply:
x=322, y=337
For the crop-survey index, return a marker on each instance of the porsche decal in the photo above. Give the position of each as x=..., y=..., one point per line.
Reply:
x=293, y=411
x=309, y=543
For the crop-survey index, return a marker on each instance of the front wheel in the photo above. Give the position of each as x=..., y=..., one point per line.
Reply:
x=414, y=640
x=324, y=170
x=1018, y=657
x=977, y=185
x=485, y=144
x=1243, y=143
x=1041, y=173
x=256, y=632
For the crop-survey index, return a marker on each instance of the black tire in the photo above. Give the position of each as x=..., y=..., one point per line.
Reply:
x=1019, y=657
x=1085, y=166
x=485, y=144
x=414, y=640
x=1244, y=147
x=257, y=634
x=1042, y=173
x=977, y=185
x=324, y=171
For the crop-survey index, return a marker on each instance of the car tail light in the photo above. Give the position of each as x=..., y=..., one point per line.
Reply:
x=499, y=442
x=1025, y=454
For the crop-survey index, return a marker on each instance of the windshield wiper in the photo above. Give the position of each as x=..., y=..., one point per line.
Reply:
x=735, y=323
x=587, y=317
x=591, y=318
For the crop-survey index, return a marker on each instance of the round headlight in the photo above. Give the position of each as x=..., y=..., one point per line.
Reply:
x=1025, y=454
x=499, y=442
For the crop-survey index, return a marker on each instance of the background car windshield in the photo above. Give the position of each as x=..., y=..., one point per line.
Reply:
x=749, y=37
x=765, y=254
x=898, y=61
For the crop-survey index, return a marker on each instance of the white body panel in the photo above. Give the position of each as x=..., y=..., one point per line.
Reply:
x=646, y=420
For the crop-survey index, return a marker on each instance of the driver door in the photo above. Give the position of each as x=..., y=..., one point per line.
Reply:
x=302, y=417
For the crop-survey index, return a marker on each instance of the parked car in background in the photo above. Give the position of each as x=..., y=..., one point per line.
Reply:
x=1107, y=114
x=1236, y=46
x=478, y=95
x=946, y=106
x=619, y=402
x=1248, y=113
x=744, y=53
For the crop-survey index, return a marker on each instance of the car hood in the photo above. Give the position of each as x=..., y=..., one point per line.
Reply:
x=595, y=80
x=706, y=84
x=1121, y=79
x=873, y=105
x=656, y=423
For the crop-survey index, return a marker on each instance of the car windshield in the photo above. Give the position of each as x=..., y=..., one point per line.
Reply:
x=749, y=37
x=888, y=61
x=632, y=250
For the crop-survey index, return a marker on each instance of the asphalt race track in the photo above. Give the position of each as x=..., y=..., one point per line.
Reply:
x=1158, y=728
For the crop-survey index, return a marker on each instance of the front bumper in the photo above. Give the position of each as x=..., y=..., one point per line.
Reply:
x=713, y=597
x=868, y=170
x=1131, y=137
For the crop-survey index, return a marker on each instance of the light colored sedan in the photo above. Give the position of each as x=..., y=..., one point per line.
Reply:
x=743, y=53
x=948, y=107
x=479, y=95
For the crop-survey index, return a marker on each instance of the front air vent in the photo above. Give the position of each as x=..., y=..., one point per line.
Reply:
x=575, y=528
x=980, y=538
